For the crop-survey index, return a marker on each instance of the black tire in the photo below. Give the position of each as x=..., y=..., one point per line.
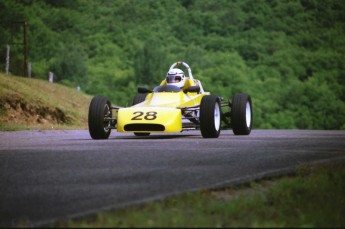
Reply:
x=210, y=116
x=100, y=108
x=241, y=114
x=139, y=98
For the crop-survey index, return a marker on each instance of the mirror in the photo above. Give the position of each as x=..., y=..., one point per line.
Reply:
x=143, y=90
x=192, y=89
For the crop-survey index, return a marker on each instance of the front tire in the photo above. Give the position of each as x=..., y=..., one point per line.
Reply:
x=100, y=108
x=210, y=116
x=241, y=114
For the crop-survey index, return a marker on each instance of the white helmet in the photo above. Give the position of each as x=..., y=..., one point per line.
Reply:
x=175, y=77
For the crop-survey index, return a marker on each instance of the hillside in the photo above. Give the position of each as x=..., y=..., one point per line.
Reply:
x=36, y=104
x=288, y=55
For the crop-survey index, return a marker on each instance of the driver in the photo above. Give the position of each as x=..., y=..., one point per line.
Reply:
x=176, y=77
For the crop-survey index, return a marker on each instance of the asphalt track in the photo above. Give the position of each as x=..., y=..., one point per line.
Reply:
x=52, y=175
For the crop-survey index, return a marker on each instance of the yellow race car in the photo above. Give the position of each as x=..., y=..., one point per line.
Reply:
x=178, y=104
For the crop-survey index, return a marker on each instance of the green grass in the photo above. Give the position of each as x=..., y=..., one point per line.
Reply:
x=313, y=198
x=39, y=99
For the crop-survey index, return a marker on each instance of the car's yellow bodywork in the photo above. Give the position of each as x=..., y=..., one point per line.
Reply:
x=160, y=112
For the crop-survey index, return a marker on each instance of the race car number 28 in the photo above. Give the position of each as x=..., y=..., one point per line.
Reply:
x=139, y=115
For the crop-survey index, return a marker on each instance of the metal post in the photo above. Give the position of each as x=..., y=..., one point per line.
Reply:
x=8, y=60
x=29, y=70
x=51, y=77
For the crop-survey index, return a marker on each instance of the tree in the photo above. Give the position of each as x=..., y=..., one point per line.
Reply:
x=150, y=63
x=68, y=65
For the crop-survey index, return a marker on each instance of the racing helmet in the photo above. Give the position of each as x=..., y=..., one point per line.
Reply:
x=175, y=77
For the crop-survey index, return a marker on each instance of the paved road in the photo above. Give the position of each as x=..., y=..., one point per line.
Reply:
x=51, y=175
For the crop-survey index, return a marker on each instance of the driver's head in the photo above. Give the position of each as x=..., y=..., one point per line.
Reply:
x=175, y=77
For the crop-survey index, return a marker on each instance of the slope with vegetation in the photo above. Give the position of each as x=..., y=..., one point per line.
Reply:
x=36, y=104
x=288, y=55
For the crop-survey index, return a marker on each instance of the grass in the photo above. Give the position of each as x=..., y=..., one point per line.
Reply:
x=27, y=103
x=313, y=198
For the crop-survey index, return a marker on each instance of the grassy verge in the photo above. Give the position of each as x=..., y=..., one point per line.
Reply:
x=313, y=198
x=27, y=104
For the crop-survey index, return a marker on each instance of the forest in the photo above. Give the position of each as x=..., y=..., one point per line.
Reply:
x=287, y=54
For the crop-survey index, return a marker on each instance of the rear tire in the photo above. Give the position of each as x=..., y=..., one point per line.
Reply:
x=100, y=108
x=139, y=98
x=241, y=114
x=210, y=116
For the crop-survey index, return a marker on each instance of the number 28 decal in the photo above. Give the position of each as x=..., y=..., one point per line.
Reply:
x=139, y=115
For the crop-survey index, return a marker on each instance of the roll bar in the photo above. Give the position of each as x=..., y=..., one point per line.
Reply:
x=185, y=65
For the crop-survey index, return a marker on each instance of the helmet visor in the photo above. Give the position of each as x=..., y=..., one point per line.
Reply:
x=173, y=79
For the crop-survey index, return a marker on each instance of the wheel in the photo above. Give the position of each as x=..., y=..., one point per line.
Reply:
x=139, y=98
x=100, y=108
x=210, y=116
x=241, y=114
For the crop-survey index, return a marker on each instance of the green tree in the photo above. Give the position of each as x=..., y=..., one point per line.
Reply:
x=69, y=66
x=150, y=64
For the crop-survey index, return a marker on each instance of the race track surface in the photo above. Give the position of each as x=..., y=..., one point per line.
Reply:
x=52, y=175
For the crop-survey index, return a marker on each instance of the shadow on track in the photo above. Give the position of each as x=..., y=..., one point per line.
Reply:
x=133, y=137
x=170, y=136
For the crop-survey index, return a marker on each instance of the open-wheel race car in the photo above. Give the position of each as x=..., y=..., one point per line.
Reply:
x=178, y=104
